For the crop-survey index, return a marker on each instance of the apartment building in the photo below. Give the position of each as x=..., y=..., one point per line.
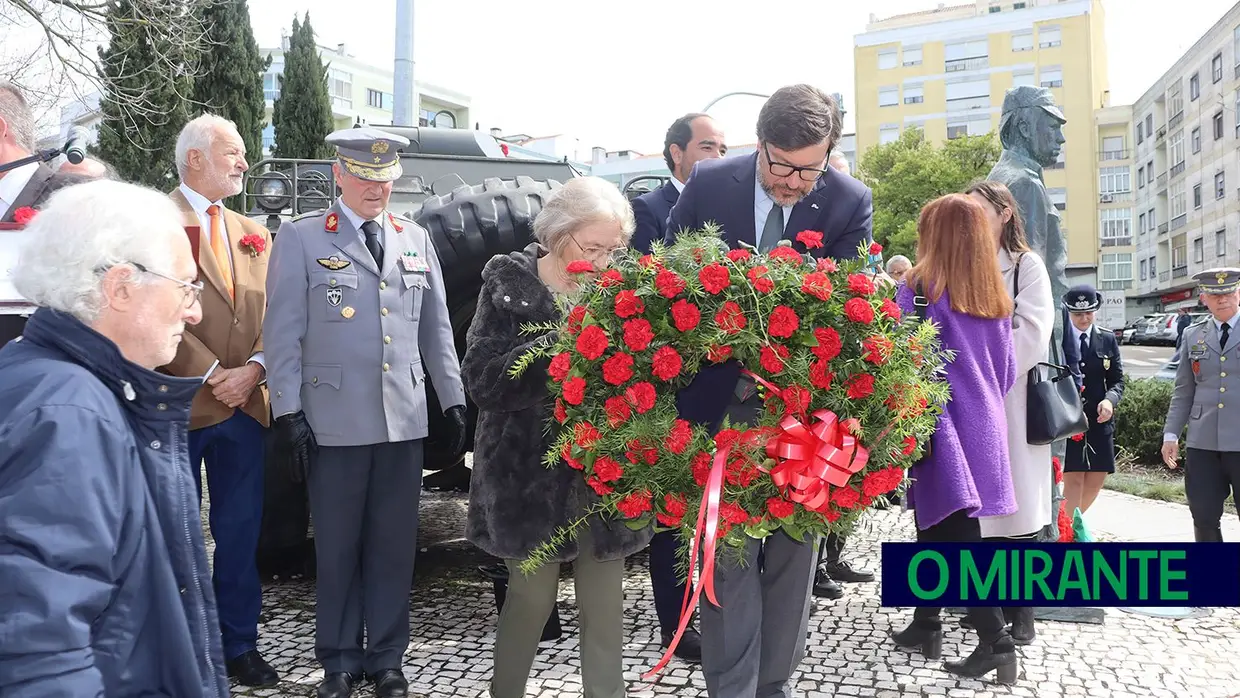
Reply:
x=1116, y=253
x=946, y=71
x=1187, y=203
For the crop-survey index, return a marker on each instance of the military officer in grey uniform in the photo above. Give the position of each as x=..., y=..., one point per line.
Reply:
x=1207, y=400
x=356, y=322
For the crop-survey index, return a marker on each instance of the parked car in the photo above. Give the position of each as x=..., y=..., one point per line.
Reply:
x=1125, y=334
x=1147, y=329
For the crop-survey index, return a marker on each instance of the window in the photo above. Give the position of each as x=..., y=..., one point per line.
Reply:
x=1219, y=185
x=1140, y=132
x=1153, y=267
x=1175, y=104
x=1052, y=76
x=955, y=131
x=1115, y=226
x=1114, y=180
x=1218, y=125
x=973, y=93
x=1177, y=148
x=1113, y=148
x=965, y=55
x=1216, y=67
x=1025, y=77
x=1179, y=255
x=1196, y=140
x=1059, y=197
x=1196, y=196
x=914, y=94
x=1022, y=41
x=1048, y=36
x=888, y=96
x=888, y=134
x=1199, y=251
x=994, y=9
x=1149, y=172
x=968, y=126
x=1238, y=112
x=1141, y=177
x=1018, y=6
x=888, y=59
x=1059, y=161
x=1144, y=268
x=374, y=98
x=1149, y=124
x=1117, y=266
x=1235, y=46
x=271, y=86
x=1220, y=243
x=1153, y=220
x=912, y=55
x=1141, y=224
x=340, y=87
x=1194, y=88
x=1178, y=204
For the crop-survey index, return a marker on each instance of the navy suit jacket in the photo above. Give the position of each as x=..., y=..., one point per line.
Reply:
x=722, y=191
x=650, y=211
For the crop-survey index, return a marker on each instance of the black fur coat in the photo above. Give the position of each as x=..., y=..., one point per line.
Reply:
x=515, y=503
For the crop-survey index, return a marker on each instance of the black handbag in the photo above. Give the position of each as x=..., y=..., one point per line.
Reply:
x=1053, y=406
x=920, y=303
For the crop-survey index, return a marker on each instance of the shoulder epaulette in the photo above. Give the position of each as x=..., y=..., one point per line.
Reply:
x=308, y=214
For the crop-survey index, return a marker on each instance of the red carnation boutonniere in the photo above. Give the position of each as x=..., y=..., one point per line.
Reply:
x=24, y=215
x=253, y=244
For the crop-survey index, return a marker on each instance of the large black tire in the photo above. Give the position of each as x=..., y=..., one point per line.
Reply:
x=469, y=226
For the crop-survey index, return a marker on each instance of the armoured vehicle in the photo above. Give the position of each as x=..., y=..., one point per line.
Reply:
x=476, y=201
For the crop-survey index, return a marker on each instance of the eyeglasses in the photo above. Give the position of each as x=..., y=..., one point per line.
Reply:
x=192, y=290
x=598, y=254
x=783, y=169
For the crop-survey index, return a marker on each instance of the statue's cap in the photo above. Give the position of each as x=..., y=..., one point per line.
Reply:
x=1028, y=96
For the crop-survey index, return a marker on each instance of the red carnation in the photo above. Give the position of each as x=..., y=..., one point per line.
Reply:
x=254, y=244
x=882, y=481
x=561, y=412
x=890, y=309
x=579, y=266
x=812, y=239
x=828, y=265
x=738, y=256
x=642, y=396
x=843, y=497
x=576, y=316
x=617, y=411
x=685, y=315
x=559, y=367
x=610, y=278
x=796, y=399
x=717, y=353
x=666, y=363
x=637, y=451
x=875, y=248
x=783, y=322
x=779, y=507
x=24, y=215
x=599, y=488
x=574, y=390
x=634, y=505
x=674, y=509
x=607, y=469
x=771, y=358
x=829, y=343
x=1077, y=437
x=860, y=284
x=725, y=438
x=629, y=304
x=759, y=280
x=637, y=334
x=859, y=310
x=910, y=445
x=733, y=513
x=668, y=284
x=818, y=285
x=679, y=437
x=647, y=261
x=585, y=435
x=618, y=369
x=831, y=515
x=714, y=277
x=567, y=454
x=730, y=318
x=700, y=467
x=877, y=349
x=860, y=385
x=820, y=375
x=786, y=254
x=592, y=342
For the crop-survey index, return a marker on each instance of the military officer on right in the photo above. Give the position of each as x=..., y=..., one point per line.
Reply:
x=1207, y=400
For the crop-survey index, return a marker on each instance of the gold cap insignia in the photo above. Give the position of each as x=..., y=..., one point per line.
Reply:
x=379, y=147
x=347, y=312
x=1221, y=276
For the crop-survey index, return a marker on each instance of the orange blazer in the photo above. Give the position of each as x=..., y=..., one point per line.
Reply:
x=230, y=331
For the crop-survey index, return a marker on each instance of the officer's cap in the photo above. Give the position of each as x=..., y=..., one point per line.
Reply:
x=1028, y=96
x=1082, y=299
x=1219, y=280
x=368, y=153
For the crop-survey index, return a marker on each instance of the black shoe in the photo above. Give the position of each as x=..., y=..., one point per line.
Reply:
x=826, y=588
x=690, y=646
x=923, y=635
x=390, y=683
x=841, y=571
x=998, y=656
x=1022, y=631
x=339, y=685
x=250, y=669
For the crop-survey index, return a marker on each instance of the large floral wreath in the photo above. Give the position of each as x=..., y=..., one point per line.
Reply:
x=851, y=390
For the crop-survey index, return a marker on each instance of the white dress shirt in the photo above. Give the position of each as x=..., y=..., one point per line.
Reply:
x=1076, y=337
x=763, y=204
x=1231, y=337
x=12, y=184
x=199, y=203
x=357, y=220
x=680, y=186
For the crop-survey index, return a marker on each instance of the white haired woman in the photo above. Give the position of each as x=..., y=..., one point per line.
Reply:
x=515, y=502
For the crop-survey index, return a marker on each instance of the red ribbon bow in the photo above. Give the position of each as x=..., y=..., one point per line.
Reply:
x=813, y=458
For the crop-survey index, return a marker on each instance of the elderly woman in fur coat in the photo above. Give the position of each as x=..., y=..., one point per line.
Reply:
x=515, y=502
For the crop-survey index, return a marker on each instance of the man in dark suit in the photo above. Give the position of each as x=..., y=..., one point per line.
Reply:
x=691, y=138
x=753, y=641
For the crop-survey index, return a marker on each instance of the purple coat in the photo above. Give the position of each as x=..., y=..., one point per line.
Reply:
x=968, y=466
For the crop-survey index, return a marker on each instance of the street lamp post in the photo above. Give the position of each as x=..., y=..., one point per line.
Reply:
x=720, y=98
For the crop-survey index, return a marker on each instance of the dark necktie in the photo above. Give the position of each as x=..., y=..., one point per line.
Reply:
x=371, y=230
x=773, y=229
x=1084, y=348
x=1222, y=338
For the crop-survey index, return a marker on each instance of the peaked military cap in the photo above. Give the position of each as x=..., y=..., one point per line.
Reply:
x=1219, y=280
x=1082, y=299
x=1029, y=96
x=368, y=153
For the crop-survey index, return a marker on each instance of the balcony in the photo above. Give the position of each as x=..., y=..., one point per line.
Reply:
x=968, y=103
x=1162, y=183
x=1107, y=155
x=1179, y=221
x=962, y=64
x=1175, y=120
x=1117, y=242
x=1162, y=133
x=1114, y=197
x=1179, y=272
x=1177, y=169
x=1164, y=276
x=1162, y=229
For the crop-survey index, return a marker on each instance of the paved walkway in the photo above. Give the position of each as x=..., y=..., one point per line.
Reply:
x=849, y=654
x=1127, y=517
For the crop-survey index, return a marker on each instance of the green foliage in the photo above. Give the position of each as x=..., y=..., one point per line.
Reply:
x=147, y=74
x=302, y=115
x=909, y=173
x=230, y=83
x=1140, y=417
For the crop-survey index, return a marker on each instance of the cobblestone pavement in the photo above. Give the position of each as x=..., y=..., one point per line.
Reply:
x=453, y=619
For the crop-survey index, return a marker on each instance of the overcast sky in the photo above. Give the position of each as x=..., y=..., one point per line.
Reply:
x=616, y=74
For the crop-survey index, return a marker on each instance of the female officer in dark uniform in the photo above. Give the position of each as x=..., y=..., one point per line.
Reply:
x=1090, y=457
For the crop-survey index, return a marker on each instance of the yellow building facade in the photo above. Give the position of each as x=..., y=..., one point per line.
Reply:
x=946, y=71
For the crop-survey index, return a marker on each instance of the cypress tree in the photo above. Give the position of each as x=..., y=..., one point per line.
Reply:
x=302, y=115
x=148, y=78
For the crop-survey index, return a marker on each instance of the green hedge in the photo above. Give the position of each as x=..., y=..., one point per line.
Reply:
x=1140, y=418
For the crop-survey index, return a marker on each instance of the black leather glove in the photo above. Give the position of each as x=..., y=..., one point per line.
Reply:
x=296, y=440
x=456, y=418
